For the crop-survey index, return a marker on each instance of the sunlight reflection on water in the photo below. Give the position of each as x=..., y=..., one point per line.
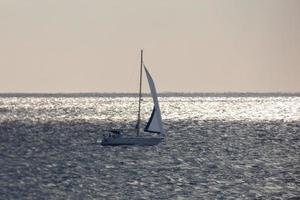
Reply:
x=216, y=147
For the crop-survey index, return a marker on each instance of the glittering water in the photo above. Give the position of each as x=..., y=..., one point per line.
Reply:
x=216, y=148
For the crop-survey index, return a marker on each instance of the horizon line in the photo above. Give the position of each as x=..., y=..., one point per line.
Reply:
x=133, y=94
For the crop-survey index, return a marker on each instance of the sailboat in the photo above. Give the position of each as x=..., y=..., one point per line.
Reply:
x=154, y=125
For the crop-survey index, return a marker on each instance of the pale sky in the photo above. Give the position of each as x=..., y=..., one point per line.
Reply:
x=189, y=45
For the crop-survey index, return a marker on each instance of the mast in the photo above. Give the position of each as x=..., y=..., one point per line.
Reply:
x=140, y=96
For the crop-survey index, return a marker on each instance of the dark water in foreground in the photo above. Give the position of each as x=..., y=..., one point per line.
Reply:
x=216, y=148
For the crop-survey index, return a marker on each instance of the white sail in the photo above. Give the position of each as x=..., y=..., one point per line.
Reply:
x=155, y=122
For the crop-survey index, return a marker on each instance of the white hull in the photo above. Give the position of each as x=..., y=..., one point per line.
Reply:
x=137, y=141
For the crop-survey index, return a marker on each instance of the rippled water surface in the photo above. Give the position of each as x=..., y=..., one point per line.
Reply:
x=216, y=148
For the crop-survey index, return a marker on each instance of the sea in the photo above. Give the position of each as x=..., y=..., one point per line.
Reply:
x=217, y=146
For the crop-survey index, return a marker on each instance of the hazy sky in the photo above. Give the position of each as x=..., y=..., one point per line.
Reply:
x=190, y=45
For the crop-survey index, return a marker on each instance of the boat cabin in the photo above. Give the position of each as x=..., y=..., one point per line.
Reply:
x=114, y=134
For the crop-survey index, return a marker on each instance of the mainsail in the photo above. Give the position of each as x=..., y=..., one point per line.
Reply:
x=154, y=124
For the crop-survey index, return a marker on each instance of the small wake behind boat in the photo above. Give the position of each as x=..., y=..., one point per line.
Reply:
x=154, y=125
